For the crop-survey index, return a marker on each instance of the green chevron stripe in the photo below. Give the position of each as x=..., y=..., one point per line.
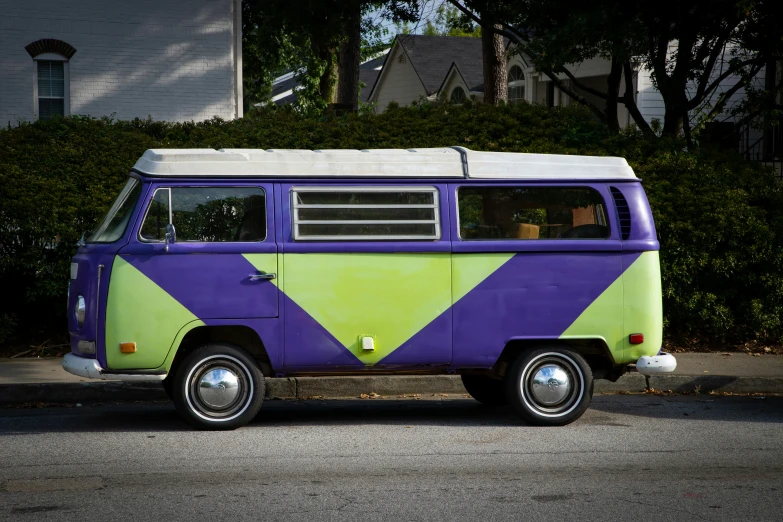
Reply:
x=140, y=311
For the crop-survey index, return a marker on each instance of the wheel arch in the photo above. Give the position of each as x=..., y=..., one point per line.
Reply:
x=240, y=336
x=594, y=350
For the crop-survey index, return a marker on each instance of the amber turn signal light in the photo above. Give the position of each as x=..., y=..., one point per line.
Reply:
x=128, y=347
x=636, y=338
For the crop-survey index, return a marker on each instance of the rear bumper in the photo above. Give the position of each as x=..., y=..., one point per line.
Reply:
x=90, y=369
x=656, y=364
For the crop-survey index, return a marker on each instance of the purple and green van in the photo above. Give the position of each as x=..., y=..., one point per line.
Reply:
x=529, y=275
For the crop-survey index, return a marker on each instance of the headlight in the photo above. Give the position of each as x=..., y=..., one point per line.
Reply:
x=81, y=309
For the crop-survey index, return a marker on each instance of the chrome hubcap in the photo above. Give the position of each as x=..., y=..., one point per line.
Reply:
x=219, y=387
x=551, y=385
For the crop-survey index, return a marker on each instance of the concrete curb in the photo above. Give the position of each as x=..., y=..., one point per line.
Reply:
x=384, y=385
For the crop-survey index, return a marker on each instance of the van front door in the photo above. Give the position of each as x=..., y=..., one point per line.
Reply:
x=218, y=263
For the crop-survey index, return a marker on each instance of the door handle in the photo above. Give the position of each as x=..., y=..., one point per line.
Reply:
x=262, y=276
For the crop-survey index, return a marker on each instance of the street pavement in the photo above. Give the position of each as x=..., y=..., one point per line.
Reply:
x=630, y=457
x=44, y=380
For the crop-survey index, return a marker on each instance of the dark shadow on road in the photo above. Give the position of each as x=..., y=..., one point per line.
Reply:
x=606, y=410
x=692, y=407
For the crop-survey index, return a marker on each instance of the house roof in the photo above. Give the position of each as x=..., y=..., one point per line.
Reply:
x=433, y=56
x=283, y=87
x=445, y=162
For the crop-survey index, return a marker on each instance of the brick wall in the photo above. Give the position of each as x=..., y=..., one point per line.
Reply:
x=169, y=59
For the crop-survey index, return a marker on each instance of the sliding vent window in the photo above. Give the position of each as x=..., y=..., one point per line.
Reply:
x=366, y=213
x=531, y=213
x=207, y=214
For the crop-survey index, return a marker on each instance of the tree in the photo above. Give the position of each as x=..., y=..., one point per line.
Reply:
x=319, y=40
x=682, y=43
x=451, y=22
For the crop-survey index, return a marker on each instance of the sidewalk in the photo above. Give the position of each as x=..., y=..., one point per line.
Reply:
x=44, y=380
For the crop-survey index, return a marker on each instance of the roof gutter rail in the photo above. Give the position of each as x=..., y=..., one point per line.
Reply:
x=463, y=154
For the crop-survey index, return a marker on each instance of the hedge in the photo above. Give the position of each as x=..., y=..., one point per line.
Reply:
x=719, y=218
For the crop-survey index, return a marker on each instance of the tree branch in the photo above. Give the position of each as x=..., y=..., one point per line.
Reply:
x=718, y=50
x=696, y=101
x=724, y=96
x=630, y=103
x=574, y=95
x=505, y=30
x=577, y=83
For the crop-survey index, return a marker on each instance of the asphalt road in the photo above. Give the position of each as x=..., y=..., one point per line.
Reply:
x=629, y=458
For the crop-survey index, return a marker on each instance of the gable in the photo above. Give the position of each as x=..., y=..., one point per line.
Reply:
x=398, y=81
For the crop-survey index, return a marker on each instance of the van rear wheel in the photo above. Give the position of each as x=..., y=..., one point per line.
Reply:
x=550, y=386
x=218, y=387
x=486, y=390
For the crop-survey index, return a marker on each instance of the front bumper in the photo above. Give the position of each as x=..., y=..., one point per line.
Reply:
x=90, y=369
x=656, y=364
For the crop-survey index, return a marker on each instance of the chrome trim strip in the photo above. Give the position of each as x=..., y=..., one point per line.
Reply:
x=296, y=206
x=90, y=369
x=141, y=239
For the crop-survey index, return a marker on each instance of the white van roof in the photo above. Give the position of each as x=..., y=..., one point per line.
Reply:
x=445, y=162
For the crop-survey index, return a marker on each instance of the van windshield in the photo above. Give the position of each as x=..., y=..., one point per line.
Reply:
x=113, y=225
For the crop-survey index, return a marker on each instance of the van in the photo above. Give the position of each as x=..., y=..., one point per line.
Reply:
x=529, y=275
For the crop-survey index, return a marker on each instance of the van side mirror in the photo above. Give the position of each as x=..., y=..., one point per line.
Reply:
x=171, y=235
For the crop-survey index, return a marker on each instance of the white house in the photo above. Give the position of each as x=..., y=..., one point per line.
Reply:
x=444, y=67
x=174, y=60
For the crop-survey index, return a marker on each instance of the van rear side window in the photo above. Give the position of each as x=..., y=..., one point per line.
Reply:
x=365, y=213
x=531, y=213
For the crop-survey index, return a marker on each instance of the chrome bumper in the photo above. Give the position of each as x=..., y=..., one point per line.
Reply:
x=656, y=364
x=90, y=369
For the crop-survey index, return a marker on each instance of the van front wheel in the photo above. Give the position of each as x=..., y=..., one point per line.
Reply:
x=550, y=387
x=218, y=387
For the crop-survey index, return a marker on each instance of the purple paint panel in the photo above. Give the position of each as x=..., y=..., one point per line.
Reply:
x=269, y=330
x=211, y=286
x=430, y=346
x=532, y=295
x=642, y=224
x=94, y=265
x=309, y=346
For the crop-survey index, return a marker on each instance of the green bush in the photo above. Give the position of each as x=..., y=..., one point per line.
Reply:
x=720, y=220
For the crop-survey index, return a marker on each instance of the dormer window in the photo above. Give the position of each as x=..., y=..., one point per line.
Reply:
x=458, y=95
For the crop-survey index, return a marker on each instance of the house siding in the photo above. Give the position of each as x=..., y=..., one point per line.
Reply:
x=169, y=59
x=650, y=101
x=399, y=83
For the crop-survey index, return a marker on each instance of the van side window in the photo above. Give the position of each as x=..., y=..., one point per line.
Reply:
x=365, y=213
x=531, y=213
x=207, y=214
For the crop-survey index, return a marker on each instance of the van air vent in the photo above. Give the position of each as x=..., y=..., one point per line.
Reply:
x=623, y=212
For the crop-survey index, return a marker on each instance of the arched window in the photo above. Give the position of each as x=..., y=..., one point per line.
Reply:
x=51, y=81
x=516, y=85
x=458, y=95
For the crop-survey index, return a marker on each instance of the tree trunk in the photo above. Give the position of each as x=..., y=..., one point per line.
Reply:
x=494, y=62
x=350, y=59
x=612, y=95
x=673, y=117
x=326, y=52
